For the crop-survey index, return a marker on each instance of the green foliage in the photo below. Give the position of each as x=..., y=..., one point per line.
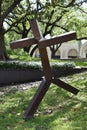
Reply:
x=34, y=65
x=78, y=63
x=6, y=4
x=75, y=19
x=63, y=65
x=20, y=65
x=55, y=17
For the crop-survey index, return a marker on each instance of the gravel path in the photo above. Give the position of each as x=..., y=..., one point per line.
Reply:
x=18, y=87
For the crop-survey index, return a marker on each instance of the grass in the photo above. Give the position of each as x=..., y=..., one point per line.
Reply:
x=59, y=110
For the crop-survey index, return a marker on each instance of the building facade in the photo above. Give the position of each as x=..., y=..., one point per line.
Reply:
x=68, y=50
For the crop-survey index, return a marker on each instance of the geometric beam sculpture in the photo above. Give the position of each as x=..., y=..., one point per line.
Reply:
x=48, y=78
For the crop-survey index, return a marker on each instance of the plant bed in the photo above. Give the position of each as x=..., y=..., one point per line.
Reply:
x=19, y=72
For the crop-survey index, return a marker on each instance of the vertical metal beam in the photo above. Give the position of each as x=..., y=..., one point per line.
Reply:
x=36, y=29
x=43, y=52
x=47, y=72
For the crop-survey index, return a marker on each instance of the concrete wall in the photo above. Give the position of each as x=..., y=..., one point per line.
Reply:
x=83, y=50
x=69, y=50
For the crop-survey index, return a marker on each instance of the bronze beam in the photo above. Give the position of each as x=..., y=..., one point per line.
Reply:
x=37, y=98
x=58, y=39
x=23, y=43
x=65, y=86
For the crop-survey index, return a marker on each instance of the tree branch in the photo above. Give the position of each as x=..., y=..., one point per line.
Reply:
x=82, y=10
x=14, y=4
x=65, y=29
x=82, y=38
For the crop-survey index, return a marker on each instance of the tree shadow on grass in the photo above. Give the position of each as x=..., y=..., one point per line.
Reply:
x=66, y=111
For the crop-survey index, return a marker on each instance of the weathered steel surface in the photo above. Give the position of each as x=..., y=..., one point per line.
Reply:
x=23, y=43
x=65, y=86
x=37, y=99
x=58, y=39
x=43, y=53
x=42, y=44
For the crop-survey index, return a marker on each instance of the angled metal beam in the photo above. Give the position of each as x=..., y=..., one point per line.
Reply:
x=64, y=85
x=36, y=29
x=23, y=43
x=37, y=99
x=58, y=39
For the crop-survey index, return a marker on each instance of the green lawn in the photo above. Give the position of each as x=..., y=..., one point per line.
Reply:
x=59, y=110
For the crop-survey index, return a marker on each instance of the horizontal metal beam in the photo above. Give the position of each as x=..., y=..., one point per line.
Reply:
x=58, y=39
x=43, y=42
x=23, y=43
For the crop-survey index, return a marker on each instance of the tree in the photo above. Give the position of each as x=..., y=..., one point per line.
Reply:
x=4, y=12
x=54, y=16
x=62, y=16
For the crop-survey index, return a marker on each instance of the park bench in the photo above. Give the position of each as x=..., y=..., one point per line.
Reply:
x=48, y=78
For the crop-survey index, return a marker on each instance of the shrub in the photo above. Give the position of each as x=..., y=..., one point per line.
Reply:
x=62, y=65
x=32, y=65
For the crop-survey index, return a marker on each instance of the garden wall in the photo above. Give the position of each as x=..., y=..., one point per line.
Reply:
x=19, y=76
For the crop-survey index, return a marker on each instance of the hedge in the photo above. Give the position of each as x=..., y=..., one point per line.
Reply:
x=32, y=65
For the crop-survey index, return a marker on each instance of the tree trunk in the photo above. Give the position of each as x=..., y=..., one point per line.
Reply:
x=53, y=51
x=3, y=53
x=52, y=54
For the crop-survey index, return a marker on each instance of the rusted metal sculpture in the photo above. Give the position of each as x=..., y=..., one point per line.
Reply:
x=48, y=79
